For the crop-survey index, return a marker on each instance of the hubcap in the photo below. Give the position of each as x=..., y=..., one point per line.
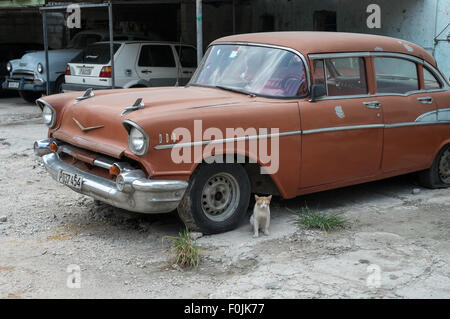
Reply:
x=220, y=197
x=444, y=167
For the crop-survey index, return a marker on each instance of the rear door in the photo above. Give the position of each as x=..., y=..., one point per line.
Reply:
x=410, y=136
x=342, y=133
x=156, y=65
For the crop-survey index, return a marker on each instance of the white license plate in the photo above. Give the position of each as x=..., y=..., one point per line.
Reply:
x=13, y=85
x=69, y=179
x=85, y=71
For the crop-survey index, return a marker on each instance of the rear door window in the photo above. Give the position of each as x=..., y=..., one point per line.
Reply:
x=430, y=81
x=395, y=75
x=156, y=56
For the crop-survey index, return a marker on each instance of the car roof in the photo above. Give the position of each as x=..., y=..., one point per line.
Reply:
x=316, y=42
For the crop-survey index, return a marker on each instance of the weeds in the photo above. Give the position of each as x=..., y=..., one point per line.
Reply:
x=313, y=219
x=186, y=250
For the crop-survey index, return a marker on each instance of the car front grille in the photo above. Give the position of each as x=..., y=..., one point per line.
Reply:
x=28, y=76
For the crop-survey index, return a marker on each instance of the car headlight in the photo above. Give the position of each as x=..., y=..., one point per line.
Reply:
x=8, y=67
x=138, y=140
x=40, y=68
x=49, y=115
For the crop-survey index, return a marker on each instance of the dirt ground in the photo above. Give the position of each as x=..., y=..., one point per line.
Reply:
x=397, y=246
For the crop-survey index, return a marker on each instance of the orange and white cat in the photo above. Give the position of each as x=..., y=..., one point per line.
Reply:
x=260, y=220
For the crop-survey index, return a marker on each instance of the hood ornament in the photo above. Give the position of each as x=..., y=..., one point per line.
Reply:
x=138, y=104
x=85, y=129
x=87, y=94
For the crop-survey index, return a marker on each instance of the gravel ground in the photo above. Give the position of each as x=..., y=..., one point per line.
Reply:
x=397, y=246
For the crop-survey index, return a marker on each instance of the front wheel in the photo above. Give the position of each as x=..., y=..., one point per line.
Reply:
x=217, y=198
x=438, y=175
x=30, y=96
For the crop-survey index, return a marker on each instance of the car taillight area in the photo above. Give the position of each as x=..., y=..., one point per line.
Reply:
x=106, y=72
x=67, y=69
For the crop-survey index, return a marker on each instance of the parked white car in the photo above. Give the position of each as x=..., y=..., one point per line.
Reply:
x=136, y=63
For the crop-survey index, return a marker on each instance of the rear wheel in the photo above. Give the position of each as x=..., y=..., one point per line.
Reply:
x=438, y=175
x=217, y=198
x=58, y=85
x=30, y=96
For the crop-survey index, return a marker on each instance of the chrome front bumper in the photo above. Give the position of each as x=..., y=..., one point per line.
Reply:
x=134, y=192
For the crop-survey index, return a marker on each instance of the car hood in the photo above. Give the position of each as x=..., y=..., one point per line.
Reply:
x=106, y=107
x=30, y=60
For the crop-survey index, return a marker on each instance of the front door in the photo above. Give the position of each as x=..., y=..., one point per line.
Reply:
x=342, y=133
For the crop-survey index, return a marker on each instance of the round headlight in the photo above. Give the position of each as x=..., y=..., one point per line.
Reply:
x=40, y=68
x=48, y=114
x=8, y=67
x=136, y=140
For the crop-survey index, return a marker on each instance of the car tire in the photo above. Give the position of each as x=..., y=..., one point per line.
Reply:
x=216, y=199
x=30, y=96
x=438, y=175
x=58, y=85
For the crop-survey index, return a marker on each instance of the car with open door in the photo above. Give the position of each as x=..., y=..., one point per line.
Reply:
x=284, y=113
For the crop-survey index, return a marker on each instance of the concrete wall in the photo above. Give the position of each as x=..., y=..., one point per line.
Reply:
x=411, y=20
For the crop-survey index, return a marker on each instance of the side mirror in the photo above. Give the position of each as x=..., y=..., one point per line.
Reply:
x=317, y=90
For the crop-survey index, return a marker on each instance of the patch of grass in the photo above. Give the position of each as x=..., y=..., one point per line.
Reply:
x=186, y=250
x=313, y=219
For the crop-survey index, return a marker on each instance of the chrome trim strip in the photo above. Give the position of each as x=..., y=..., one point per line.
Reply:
x=421, y=120
x=342, y=128
x=41, y=103
x=226, y=140
x=127, y=124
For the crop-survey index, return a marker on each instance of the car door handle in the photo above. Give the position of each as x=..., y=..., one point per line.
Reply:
x=425, y=100
x=372, y=104
x=146, y=71
x=187, y=72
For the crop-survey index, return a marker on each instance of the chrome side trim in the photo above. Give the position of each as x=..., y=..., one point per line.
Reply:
x=127, y=124
x=342, y=128
x=41, y=103
x=441, y=116
x=226, y=140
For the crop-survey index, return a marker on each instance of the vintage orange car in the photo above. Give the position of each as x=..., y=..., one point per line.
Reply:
x=285, y=113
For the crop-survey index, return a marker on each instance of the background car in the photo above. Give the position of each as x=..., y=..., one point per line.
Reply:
x=9, y=51
x=28, y=74
x=137, y=64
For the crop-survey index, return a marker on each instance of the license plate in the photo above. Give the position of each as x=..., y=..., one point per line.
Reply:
x=13, y=85
x=85, y=71
x=69, y=179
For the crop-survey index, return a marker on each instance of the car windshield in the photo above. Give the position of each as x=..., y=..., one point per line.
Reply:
x=252, y=70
